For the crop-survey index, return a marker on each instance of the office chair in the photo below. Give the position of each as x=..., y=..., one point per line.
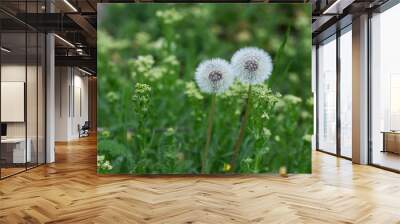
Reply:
x=84, y=130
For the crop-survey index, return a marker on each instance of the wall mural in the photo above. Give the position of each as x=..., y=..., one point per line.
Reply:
x=204, y=88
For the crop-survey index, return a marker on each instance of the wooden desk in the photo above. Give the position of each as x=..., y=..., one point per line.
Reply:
x=13, y=150
x=391, y=141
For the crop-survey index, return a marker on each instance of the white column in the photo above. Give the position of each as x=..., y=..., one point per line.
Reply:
x=50, y=92
x=62, y=103
x=360, y=90
x=50, y=100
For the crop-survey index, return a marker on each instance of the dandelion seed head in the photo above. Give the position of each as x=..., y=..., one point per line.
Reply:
x=252, y=65
x=214, y=76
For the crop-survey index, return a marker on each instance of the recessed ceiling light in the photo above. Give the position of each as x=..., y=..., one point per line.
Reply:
x=5, y=50
x=84, y=71
x=70, y=5
x=64, y=40
x=337, y=7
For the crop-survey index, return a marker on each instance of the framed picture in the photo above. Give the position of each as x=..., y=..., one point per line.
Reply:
x=204, y=88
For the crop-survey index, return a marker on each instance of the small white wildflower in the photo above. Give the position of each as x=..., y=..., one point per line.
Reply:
x=100, y=158
x=266, y=132
x=112, y=96
x=214, y=76
x=142, y=38
x=144, y=63
x=252, y=65
x=170, y=16
x=192, y=92
x=170, y=131
x=155, y=73
x=159, y=44
x=107, y=165
x=171, y=60
x=265, y=115
x=307, y=138
x=292, y=99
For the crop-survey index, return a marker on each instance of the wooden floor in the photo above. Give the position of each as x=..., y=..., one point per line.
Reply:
x=10, y=171
x=70, y=191
x=387, y=159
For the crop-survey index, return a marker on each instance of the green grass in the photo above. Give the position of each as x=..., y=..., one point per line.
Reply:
x=153, y=118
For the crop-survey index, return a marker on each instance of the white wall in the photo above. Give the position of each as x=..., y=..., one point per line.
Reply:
x=33, y=126
x=80, y=109
x=16, y=73
x=71, y=94
x=62, y=81
x=9, y=73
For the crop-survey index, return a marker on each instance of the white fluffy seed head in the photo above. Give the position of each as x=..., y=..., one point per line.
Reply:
x=252, y=65
x=214, y=75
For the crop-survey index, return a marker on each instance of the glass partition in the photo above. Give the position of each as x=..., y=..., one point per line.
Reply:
x=41, y=109
x=327, y=96
x=14, y=153
x=346, y=93
x=385, y=89
x=32, y=95
x=22, y=95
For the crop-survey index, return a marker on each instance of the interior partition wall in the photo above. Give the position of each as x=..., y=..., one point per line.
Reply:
x=385, y=88
x=22, y=95
x=334, y=93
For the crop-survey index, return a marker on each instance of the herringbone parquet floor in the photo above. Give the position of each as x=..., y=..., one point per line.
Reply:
x=70, y=191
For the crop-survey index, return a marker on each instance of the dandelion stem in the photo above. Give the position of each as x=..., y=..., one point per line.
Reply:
x=243, y=125
x=209, y=131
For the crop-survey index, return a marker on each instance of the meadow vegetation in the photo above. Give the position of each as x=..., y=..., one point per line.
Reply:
x=152, y=116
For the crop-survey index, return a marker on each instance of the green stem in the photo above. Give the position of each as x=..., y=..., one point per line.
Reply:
x=243, y=125
x=209, y=131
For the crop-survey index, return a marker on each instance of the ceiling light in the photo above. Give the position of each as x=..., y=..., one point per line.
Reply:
x=337, y=7
x=5, y=50
x=79, y=51
x=84, y=71
x=65, y=41
x=70, y=5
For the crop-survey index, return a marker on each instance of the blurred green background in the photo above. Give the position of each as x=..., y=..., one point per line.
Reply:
x=153, y=119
